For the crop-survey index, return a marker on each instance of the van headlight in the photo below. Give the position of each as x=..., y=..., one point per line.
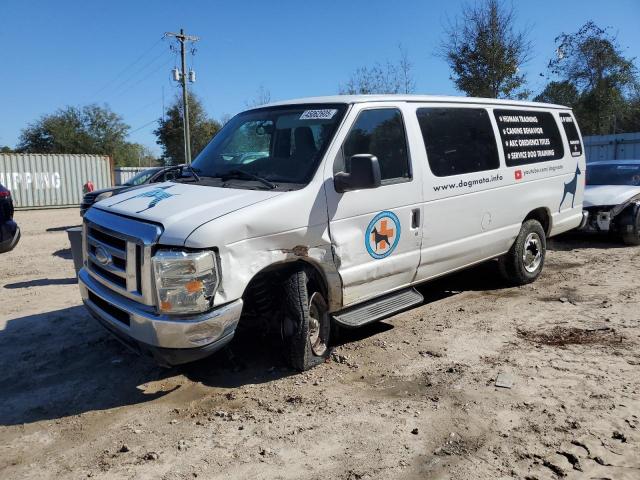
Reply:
x=185, y=281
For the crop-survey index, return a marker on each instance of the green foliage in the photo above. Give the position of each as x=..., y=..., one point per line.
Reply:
x=561, y=93
x=603, y=84
x=485, y=53
x=170, y=130
x=91, y=129
x=6, y=149
x=134, y=155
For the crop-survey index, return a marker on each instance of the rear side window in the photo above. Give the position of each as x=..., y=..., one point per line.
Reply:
x=570, y=130
x=381, y=133
x=458, y=140
x=528, y=137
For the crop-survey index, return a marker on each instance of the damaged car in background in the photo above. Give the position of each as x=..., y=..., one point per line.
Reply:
x=612, y=199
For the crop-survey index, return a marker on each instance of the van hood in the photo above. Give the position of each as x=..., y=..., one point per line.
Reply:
x=181, y=208
x=608, y=195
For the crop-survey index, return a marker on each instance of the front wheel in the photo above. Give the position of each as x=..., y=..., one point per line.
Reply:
x=523, y=263
x=307, y=313
x=631, y=231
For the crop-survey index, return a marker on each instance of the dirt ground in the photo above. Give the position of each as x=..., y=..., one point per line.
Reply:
x=412, y=397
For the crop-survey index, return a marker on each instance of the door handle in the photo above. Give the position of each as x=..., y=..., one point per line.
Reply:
x=415, y=218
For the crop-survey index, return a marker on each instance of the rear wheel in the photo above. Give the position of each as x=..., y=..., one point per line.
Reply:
x=307, y=314
x=523, y=263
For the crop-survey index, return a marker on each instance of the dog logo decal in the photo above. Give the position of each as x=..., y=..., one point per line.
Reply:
x=570, y=188
x=382, y=235
x=156, y=195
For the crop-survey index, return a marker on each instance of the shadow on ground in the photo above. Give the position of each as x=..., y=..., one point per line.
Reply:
x=42, y=282
x=64, y=253
x=63, y=363
x=62, y=229
x=582, y=240
x=482, y=277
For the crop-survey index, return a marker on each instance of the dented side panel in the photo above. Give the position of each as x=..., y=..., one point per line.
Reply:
x=375, y=235
x=291, y=227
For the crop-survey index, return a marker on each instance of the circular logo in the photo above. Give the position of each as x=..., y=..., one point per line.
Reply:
x=382, y=235
x=102, y=256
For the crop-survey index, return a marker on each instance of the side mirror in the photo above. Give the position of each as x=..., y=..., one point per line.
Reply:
x=362, y=172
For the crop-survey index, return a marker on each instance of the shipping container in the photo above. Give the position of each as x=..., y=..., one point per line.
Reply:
x=622, y=146
x=52, y=180
x=122, y=174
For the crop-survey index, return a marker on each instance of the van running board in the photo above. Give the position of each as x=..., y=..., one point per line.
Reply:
x=378, y=308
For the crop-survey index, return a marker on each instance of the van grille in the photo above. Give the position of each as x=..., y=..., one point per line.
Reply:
x=120, y=260
x=112, y=310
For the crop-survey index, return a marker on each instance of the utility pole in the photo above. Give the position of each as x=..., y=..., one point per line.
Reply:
x=182, y=77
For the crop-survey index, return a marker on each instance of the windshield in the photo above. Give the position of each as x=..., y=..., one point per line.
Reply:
x=278, y=144
x=141, y=177
x=614, y=174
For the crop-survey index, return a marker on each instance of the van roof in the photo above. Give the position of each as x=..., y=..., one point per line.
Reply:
x=350, y=99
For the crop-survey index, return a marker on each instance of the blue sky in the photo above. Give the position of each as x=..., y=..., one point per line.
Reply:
x=57, y=53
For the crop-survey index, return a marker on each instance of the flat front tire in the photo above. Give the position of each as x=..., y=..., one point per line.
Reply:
x=307, y=313
x=523, y=263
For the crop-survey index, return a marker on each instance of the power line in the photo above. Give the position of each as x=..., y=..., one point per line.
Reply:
x=158, y=67
x=143, y=108
x=143, y=126
x=118, y=89
x=129, y=66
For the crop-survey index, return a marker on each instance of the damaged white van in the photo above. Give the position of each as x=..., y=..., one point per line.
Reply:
x=331, y=209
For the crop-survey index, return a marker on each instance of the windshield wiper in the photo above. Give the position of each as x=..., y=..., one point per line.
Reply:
x=241, y=174
x=193, y=172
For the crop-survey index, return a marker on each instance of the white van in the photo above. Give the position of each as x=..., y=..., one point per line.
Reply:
x=330, y=209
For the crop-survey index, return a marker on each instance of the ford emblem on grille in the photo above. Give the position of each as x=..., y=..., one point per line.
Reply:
x=103, y=256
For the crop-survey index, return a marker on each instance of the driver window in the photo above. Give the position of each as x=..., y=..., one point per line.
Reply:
x=381, y=132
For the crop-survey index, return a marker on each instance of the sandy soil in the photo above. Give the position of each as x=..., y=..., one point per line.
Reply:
x=414, y=396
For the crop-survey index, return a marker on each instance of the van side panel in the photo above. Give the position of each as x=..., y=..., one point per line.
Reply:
x=473, y=217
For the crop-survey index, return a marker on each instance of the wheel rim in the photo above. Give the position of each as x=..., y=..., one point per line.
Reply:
x=532, y=254
x=317, y=324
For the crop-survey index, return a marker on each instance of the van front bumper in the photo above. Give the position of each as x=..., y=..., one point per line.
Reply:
x=169, y=339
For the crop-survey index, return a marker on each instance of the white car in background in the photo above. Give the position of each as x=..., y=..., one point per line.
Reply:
x=612, y=199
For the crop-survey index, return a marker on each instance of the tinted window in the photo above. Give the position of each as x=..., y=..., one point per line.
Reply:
x=381, y=133
x=569, y=125
x=614, y=174
x=458, y=140
x=528, y=137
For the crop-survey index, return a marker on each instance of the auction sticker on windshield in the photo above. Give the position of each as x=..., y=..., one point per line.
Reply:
x=321, y=114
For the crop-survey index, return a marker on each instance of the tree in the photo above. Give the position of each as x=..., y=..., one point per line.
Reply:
x=561, y=93
x=90, y=129
x=405, y=69
x=171, y=135
x=486, y=53
x=134, y=155
x=381, y=78
x=6, y=149
x=592, y=63
x=263, y=96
